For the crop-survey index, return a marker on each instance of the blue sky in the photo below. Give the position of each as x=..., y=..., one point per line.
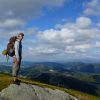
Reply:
x=55, y=30
x=69, y=11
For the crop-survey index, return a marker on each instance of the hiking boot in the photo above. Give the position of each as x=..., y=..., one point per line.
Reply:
x=18, y=80
x=15, y=82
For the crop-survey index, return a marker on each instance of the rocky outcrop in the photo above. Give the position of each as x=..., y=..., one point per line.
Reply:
x=32, y=92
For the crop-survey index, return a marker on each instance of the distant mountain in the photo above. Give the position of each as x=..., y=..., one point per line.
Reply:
x=23, y=64
x=63, y=75
x=66, y=82
x=83, y=67
x=72, y=66
x=37, y=69
x=79, y=70
x=5, y=68
x=30, y=64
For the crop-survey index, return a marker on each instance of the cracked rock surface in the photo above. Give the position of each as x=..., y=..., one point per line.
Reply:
x=31, y=92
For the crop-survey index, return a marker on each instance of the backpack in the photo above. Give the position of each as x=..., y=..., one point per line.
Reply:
x=10, y=46
x=10, y=50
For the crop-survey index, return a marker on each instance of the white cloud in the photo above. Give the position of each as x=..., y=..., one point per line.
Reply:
x=92, y=8
x=83, y=22
x=11, y=23
x=83, y=46
x=69, y=38
x=26, y=9
x=98, y=24
x=60, y=42
x=58, y=36
x=71, y=32
x=14, y=13
x=43, y=50
x=97, y=44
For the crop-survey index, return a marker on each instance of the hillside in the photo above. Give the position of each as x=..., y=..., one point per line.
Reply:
x=56, y=74
x=81, y=71
x=71, y=66
x=5, y=80
x=82, y=67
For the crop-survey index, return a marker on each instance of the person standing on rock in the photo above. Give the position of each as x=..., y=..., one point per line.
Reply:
x=17, y=58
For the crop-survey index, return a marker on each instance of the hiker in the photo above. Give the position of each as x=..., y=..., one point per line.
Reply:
x=17, y=58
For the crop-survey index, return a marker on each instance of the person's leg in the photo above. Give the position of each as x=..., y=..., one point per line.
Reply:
x=17, y=72
x=14, y=78
x=15, y=69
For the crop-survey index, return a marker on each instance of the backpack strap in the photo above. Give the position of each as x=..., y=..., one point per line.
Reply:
x=7, y=57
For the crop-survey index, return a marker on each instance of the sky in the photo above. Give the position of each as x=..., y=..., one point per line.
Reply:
x=55, y=30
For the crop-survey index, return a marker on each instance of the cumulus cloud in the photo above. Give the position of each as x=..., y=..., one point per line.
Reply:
x=52, y=35
x=78, y=38
x=92, y=8
x=43, y=50
x=71, y=32
x=14, y=13
x=11, y=24
x=69, y=38
x=25, y=9
x=62, y=41
x=83, y=22
x=98, y=24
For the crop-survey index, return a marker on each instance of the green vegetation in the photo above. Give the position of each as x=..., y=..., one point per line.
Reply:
x=5, y=80
x=81, y=71
x=88, y=77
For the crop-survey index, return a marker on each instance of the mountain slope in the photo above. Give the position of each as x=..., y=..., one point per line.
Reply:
x=5, y=80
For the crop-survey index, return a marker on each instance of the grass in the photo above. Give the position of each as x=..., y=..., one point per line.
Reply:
x=5, y=80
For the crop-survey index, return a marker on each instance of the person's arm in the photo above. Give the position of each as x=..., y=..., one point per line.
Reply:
x=17, y=50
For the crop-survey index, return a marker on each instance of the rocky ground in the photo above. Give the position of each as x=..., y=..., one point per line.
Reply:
x=32, y=92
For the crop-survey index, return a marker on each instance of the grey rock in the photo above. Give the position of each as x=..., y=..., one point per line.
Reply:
x=49, y=94
x=1, y=98
x=32, y=92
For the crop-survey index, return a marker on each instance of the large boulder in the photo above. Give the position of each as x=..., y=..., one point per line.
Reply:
x=32, y=92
